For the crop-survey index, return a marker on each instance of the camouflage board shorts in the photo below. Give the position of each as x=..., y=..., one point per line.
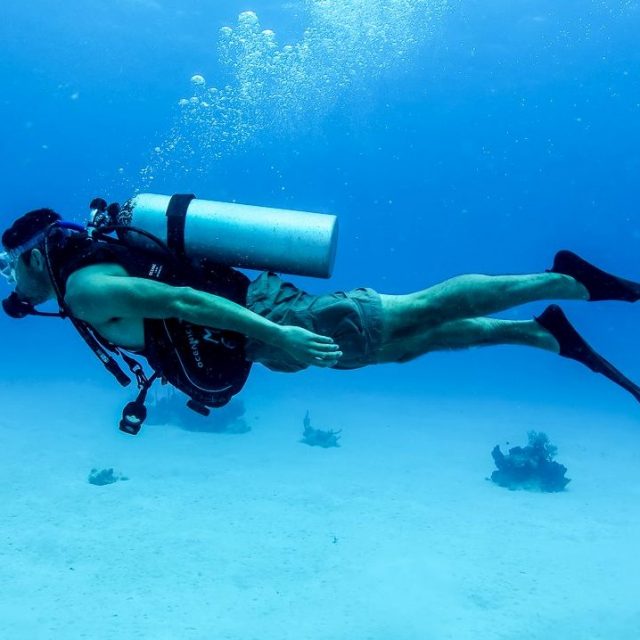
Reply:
x=352, y=318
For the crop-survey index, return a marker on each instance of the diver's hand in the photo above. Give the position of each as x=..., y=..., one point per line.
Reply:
x=308, y=347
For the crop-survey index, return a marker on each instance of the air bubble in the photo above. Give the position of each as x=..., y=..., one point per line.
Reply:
x=248, y=18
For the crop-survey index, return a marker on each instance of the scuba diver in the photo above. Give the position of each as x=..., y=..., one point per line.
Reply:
x=201, y=323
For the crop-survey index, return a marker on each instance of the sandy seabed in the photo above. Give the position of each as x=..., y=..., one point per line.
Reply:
x=396, y=535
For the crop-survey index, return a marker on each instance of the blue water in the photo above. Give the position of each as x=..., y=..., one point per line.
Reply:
x=502, y=133
x=450, y=138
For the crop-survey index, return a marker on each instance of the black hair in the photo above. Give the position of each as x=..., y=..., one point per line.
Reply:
x=27, y=226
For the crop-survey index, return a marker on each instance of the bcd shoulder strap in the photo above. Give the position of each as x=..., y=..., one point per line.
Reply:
x=135, y=412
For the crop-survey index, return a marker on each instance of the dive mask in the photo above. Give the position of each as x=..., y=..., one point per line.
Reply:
x=9, y=258
x=8, y=267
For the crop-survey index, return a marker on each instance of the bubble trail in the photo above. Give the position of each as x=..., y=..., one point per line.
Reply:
x=284, y=90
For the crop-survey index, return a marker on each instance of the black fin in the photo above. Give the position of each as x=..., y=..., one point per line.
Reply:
x=600, y=284
x=573, y=346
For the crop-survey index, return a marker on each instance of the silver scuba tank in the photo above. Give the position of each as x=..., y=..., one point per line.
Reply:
x=237, y=235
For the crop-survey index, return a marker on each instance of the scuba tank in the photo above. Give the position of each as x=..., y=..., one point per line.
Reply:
x=236, y=235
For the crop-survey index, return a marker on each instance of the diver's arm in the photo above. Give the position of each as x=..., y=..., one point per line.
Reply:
x=99, y=298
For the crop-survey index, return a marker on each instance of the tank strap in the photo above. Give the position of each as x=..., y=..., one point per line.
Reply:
x=176, y=217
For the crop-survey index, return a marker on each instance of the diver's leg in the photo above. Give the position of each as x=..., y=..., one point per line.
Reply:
x=551, y=331
x=472, y=296
x=465, y=333
x=469, y=296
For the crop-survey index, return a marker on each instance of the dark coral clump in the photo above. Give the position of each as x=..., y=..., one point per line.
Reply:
x=531, y=468
x=102, y=477
x=318, y=437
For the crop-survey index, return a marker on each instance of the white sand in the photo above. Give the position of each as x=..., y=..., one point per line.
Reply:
x=394, y=536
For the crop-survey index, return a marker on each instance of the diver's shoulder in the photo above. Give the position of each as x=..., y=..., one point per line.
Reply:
x=85, y=291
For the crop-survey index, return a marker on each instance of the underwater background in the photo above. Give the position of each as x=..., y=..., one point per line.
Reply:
x=449, y=137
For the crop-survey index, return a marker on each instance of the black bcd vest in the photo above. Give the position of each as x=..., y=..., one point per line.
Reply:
x=207, y=364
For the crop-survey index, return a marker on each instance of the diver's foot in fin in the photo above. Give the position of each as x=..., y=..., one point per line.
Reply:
x=574, y=346
x=600, y=284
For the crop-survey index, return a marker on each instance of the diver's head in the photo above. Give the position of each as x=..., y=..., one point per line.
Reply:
x=23, y=262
